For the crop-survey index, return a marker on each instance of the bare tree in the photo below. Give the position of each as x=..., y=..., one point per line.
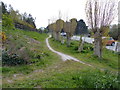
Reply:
x=66, y=28
x=59, y=27
x=52, y=28
x=100, y=13
x=69, y=28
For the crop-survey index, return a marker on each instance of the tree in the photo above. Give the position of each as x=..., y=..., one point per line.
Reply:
x=7, y=21
x=115, y=31
x=4, y=10
x=31, y=20
x=99, y=14
x=24, y=16
x=13, y=13
x=81, y=30
x=69, y=28
x=52, y=28
x=14, y=18
x=59, y=27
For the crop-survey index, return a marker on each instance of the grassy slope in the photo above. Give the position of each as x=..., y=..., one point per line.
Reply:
x=53, y=72
x=26, y=69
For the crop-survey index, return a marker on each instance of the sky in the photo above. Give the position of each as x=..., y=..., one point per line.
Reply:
x=119, y=11
x=45, y=10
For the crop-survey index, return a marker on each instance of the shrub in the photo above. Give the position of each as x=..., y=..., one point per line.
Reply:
x=41, y=55
x=35, y=60
x=11, y=59
x=35, y=38
x=75, y=47
x=84, y=51
x=88, y=47
x=115, y=32
x=2, y=34
x=7, y=21
x=46, y=54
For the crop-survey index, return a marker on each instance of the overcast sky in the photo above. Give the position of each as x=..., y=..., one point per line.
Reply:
x=49, y=9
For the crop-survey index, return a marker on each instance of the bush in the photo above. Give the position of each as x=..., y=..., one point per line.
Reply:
x=115, y=32
x=88, y=47
x=11, y=59
x=2, y=34
x=35, y=38
x=7, y=21
x=75, y=47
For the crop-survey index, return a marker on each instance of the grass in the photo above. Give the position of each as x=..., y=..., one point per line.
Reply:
x=109, y=60
x=50, y=71
x=18, y=37
x=67, y=74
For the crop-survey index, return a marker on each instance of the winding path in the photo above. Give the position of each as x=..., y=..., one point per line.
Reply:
x=64, y=56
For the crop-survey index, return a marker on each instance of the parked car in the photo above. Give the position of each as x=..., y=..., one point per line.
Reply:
x=63, y=34
x=109, y=41
x=89, y=35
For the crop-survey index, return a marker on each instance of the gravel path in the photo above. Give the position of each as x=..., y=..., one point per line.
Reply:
x=64, y=56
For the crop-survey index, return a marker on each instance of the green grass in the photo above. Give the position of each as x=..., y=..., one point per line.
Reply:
x=66, y=77
x=51, y=72
x=18, y=37
x=109, y=60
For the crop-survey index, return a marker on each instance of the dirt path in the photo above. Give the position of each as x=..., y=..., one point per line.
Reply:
x=64, y=56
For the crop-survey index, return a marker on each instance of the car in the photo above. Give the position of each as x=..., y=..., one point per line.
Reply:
x=63, y=34
x=89, y=35
x=108, y=41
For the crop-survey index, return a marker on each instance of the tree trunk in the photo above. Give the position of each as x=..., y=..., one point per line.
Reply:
x=117, y=49
x=81, y=43
x=68, y=40
x=52, y=34
x=62, y=40
x=57, y=36
x=98, y=45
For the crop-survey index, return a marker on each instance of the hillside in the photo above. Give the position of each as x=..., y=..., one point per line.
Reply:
x=45, y=69
x=42, y=57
